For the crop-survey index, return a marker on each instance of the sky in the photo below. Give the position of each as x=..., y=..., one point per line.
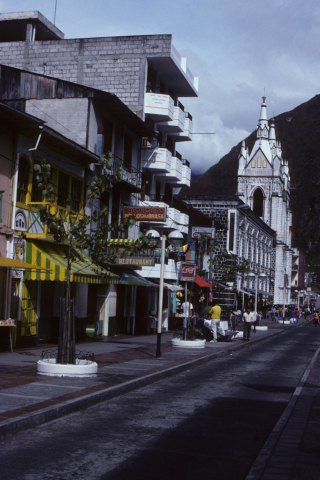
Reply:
x=239, y=49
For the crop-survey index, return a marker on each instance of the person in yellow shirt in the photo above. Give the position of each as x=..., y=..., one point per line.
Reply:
x=212, y=324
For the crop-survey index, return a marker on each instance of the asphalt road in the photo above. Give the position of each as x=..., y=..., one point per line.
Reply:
x=209, y=422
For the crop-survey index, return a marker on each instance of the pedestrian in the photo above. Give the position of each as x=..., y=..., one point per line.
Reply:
x=273, y=313
x=316, y=318
x=305, y=313
x=187, y=309
x=214, y=323
x=297, y=314
x=248, y=319
x=239, y=313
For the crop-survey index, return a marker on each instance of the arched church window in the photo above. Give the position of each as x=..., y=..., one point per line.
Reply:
x=259, y=162
x=253, y=164
x=264, y=163
x=258, y=202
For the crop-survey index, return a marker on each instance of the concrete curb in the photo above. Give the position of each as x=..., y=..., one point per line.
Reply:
x=31, y=420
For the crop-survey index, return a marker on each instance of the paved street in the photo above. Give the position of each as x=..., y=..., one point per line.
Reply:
x=211, y=420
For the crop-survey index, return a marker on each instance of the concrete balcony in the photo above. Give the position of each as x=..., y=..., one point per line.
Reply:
x=156, y=160
x=175, y=174
x=186, y=174
x=177, y=124
x=159, y=107
x=183, y=226
x=173, y=218
x=186, y=134
x=170, y=271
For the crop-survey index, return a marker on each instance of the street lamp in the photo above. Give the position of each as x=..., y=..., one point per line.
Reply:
x=155, y=235
x=256, y=275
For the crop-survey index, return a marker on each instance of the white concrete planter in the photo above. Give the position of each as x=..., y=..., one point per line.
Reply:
x=261, y=328
x=286, y=322
x=84, y=368
x=177, y=342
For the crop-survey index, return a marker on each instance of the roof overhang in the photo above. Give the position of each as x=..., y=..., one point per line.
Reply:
x=174, y=76
x=31, y=127
x=14, y=25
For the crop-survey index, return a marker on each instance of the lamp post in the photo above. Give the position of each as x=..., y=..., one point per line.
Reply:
x=256, y=275
x=156, y=236
x=176, y=239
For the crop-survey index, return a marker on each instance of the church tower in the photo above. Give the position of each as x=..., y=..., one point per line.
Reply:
x=264, y=184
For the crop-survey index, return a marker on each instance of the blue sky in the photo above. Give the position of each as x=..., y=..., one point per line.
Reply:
x=238, y=49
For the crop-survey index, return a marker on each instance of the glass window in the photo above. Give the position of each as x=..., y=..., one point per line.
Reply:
x=253, y=164
x=63, y=190
x=23, y=180
x=75, y=194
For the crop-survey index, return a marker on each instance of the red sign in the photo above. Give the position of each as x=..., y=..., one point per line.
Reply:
x=146, y=214
x=188, y=272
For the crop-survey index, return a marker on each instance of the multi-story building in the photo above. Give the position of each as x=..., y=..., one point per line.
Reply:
x=244, y=235
x=148, y=75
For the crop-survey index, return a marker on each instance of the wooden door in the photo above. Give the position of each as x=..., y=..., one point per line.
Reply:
x=29, y=308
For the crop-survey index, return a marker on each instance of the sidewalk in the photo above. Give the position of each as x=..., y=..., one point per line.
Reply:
x=292, y=450
x=125, y=363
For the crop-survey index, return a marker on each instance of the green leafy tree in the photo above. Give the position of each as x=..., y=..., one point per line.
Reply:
x=219, y=260
x=79, y=232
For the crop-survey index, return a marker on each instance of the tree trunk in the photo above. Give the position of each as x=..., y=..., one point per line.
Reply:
x=66, y=345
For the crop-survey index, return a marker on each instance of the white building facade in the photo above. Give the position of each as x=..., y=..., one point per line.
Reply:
x=264, y=185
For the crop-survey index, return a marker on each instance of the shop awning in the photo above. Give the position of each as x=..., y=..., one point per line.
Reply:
x=134, y=279
x=16, y=264
x=202, y=283
x=53, y=257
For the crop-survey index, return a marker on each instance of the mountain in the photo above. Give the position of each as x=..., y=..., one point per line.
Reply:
x=299, y=133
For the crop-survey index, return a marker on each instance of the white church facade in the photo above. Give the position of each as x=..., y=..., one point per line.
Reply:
x=264, y=185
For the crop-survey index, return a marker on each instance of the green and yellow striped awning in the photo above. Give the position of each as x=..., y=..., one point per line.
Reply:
x=121, y=241
x=54, y=258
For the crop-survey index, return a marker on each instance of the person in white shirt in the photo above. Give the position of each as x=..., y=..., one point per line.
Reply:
x=187, y=309
x=248, y=319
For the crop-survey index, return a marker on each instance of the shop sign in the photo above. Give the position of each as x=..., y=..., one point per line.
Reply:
x=196, y=231
x=144, y=258
x=146, y=214
x=188, y=272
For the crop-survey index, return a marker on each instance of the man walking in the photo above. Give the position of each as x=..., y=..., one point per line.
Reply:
x=215, y=314
x=248, y=319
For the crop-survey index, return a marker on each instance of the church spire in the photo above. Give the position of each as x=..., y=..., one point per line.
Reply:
x=263, y=128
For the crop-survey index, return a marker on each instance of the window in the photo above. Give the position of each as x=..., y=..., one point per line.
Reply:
x=127, y=149
x=23, y=179
x=258, y=202
x=231, y=231
x=75, y=194
x=259, y=162
x=264, y=164
x=63, y=190
x=108, y=135
x=253, y=164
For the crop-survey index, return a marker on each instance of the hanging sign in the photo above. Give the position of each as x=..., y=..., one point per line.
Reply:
x=188, y=272
x=146, y=214
x=196, y=231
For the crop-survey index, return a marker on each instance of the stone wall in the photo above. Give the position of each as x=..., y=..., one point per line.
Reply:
x=113, y=64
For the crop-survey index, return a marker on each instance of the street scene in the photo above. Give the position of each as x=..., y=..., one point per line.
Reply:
x=159, y=241
x=248, y=412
